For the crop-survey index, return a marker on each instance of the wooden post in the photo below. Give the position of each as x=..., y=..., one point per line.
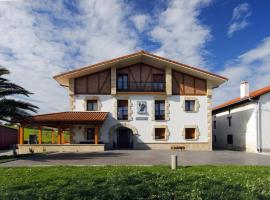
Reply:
x=59, y=136
x=39, y=135
x=52, y=136
x=96, y=134
x=21, y=135
x=62, y=137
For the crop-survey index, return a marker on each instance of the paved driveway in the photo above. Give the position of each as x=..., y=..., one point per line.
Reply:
x=144, y=157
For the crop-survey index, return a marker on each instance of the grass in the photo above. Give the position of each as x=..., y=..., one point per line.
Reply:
x=198, y=182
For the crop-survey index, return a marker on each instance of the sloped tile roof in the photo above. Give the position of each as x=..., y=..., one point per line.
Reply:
x=71, y=117
x=253, y=94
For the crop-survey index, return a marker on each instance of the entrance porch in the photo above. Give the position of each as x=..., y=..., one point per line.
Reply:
x=123, y=136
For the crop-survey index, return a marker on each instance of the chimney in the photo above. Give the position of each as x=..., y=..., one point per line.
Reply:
x=244, y=89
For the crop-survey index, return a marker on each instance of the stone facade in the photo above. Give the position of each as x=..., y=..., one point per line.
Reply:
x=41, y=148
x=194, y=146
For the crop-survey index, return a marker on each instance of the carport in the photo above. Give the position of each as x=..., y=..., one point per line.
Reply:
x=59, y=122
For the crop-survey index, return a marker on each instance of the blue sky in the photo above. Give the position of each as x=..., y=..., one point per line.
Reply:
x=42, y=38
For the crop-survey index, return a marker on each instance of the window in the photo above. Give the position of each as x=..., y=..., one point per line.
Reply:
x=215, y=124
x=229, y=139
x=122, y=81
x=189, y=105
x=160, y=110
x=215, y=138
x=190, y=133
x=90, y=134
x=92, y=105
x=230, y=120
x=122, y=109
x=160, y=133
x=158, y=82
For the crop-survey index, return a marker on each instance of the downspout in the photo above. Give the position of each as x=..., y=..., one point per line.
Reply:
x=258, y=126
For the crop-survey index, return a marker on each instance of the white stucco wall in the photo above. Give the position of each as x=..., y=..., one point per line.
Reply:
x=265, y=121
x=243, y=128
x=178, y=118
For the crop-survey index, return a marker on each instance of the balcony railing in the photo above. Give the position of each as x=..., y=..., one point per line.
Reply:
x=142, y=87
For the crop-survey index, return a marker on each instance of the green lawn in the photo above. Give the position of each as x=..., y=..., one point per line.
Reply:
x=202, y=182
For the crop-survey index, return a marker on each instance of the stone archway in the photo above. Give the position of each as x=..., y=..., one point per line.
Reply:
x=113, y=131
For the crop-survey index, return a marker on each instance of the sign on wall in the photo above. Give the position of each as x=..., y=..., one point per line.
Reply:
x=141, y=107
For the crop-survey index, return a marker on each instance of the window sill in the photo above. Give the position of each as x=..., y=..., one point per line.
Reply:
x=161, y=139
x=191, y=111
x=195, y=139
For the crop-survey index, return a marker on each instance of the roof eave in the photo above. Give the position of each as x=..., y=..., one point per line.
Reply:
x=63, y=79
x=241, y=101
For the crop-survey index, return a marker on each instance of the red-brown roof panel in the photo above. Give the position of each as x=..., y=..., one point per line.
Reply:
x=71, y=117
x=253, y=94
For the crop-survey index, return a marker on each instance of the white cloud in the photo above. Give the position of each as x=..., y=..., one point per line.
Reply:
x=253, y=66
x=42, y=38
x=180, y=32
x=140, y=21
x=239, y=18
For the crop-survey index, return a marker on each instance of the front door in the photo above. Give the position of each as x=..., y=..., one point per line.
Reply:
x=123, y=138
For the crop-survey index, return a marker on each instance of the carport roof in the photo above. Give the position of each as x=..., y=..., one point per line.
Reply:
x=66, y=118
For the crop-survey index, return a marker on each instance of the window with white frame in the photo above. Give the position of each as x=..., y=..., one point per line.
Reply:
x=159, y=109
x=122, y=109
x=190, y=105
x=190, y=133
x=92, y=105
x=160, y=133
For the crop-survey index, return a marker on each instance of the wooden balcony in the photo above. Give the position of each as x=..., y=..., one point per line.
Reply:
x=142, y=87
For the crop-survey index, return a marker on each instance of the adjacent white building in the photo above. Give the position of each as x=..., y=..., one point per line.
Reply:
x=243, y=123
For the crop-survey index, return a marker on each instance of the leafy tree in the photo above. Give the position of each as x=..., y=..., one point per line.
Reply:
x=11, y=109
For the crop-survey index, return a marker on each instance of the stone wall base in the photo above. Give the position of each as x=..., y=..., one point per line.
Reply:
x=41, y=148
x=188, y=146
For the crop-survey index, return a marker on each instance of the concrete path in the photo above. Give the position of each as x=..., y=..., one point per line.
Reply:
x=6, y=152
x=144, y=157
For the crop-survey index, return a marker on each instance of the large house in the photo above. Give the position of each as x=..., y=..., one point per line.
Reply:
x=243, y=123
x=139, y=101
